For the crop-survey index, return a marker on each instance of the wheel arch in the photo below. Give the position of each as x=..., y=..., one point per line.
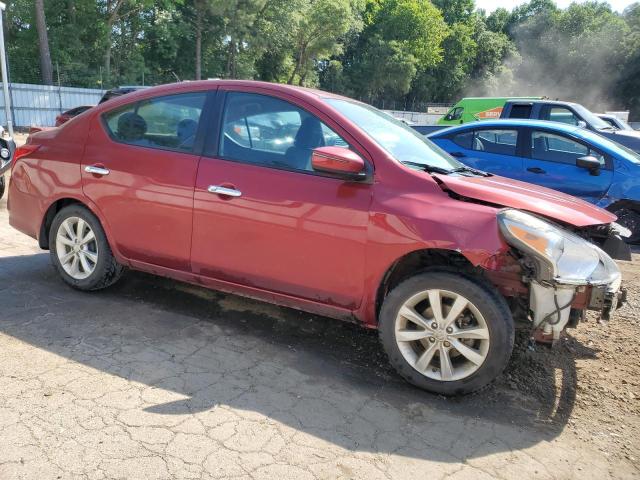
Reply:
x=59, y=204
x=419, y=261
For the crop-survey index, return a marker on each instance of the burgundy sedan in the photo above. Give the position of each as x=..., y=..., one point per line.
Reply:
x=321, y=203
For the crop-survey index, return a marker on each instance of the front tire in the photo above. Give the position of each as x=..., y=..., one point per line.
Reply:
x=446, y=333
x=629, y=218
x=2, y=186
x=80, y=251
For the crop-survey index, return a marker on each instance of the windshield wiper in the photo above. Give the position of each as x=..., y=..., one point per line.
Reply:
x=471, y=170
x=428, y=168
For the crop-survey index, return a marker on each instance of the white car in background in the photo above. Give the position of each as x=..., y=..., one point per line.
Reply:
x=614, y=121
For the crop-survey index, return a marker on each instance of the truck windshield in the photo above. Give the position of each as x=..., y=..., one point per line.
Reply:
x=402, y=142
x=591, y=118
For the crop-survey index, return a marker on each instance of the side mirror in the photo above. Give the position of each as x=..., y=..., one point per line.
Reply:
x=582, y=124
x=589, y=162
x=339, y=161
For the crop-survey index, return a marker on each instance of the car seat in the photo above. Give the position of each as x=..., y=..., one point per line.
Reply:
x=540, y=148
x=131, y=127
x=186, y=133
x=308, y=137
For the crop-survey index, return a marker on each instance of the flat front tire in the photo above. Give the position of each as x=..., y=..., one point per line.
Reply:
x=80, y=251
x=446, y=333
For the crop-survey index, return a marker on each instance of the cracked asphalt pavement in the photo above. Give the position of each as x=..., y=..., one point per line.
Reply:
x=155, y=379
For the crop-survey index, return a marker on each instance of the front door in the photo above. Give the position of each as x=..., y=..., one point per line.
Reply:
x=264, y=219
x=142, y=164
x=552, y=164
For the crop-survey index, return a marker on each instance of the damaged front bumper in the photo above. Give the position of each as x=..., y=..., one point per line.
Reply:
x=552, y=303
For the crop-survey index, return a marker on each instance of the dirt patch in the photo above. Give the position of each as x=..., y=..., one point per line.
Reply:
x=591, y=382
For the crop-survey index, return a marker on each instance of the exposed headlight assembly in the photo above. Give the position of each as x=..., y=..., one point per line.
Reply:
x=561, y=256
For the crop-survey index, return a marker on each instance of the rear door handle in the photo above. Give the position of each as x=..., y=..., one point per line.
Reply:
x=96, y=170
x=536, y=170
x=225, y=191
x=457, y=154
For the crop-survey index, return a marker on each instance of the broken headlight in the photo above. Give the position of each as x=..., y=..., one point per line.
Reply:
x=560, y=255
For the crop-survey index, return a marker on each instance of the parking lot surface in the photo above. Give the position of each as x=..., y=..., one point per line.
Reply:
x=154, y=379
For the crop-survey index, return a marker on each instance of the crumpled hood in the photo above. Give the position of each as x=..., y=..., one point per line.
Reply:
x=525, y=196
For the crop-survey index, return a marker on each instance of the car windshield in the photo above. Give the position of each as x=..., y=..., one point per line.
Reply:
x=402, y=142
x=614, y=147
x=592, y=119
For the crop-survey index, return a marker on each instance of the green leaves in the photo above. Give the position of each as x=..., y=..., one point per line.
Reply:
x=403, y=51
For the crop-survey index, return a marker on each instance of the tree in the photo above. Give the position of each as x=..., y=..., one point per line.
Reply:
x=316, y=39
x=400, y=38
x=43, y=42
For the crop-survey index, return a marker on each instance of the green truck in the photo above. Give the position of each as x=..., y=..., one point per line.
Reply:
x=471, y=109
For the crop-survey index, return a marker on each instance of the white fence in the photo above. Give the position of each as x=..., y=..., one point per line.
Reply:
x=419, y=118
x=40, y=104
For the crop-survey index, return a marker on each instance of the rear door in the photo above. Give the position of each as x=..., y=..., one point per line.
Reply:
x=551, y=163
x=139, y=168
x=493, y=150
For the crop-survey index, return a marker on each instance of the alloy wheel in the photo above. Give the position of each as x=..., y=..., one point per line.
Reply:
x=77, y=248
x=442, y=335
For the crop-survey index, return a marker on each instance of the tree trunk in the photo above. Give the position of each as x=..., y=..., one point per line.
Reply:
x=46, y=67
x=199, y=48
x=107, y=64
x=112, y=18
x=231, y=59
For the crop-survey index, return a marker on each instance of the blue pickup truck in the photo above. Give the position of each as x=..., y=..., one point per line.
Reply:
x=572, y=114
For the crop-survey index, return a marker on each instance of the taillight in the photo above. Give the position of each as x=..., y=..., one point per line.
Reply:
x=23, y=151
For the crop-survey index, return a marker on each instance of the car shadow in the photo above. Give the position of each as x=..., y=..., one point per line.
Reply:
x=317, y=376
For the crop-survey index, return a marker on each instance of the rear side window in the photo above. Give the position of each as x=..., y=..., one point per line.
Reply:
x=520, y=111
x=167, y=123
x=502, y=142
x=560, y=149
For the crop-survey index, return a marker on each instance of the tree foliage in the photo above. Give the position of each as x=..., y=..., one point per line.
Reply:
x=402, y=52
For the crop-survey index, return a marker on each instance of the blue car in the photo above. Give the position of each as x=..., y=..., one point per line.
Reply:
x=563, y=157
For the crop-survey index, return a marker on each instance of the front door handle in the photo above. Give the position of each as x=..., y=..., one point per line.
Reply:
x=225, y=191
x=536, y=170
x=97, y=170
x=457, y=154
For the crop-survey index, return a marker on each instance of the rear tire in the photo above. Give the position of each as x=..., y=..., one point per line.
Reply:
x=80, y=251
x=460, y=346
x=2, y=186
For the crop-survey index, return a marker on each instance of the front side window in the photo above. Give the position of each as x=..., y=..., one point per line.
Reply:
x=561, y=114
x=498, y=141
x=168, y=123
x=455, y=114
x=560, y=149
x=268, y=131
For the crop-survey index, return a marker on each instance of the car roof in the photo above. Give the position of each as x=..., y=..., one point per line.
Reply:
x=514, y=123
x=186, y=86
x=546, y=102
